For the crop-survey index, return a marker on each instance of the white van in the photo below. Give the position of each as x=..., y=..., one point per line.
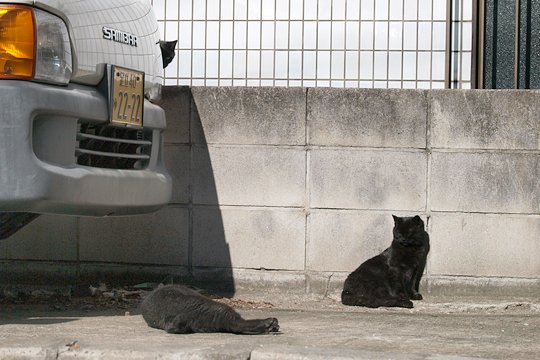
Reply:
x=79, y=133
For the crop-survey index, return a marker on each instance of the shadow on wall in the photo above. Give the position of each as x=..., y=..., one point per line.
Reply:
x=185, y=240
x=209, y=257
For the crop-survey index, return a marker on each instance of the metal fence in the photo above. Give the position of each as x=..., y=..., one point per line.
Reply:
x=460, y=68
x=313, y=43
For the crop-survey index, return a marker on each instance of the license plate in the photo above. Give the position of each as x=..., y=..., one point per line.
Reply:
x=127, y=98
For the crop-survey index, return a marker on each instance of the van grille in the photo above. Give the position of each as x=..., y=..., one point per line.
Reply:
x=112, y=147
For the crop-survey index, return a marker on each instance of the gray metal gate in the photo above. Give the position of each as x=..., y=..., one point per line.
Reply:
x=509, y=38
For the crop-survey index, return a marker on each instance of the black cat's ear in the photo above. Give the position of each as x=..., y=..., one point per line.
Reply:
x=397, y=220
x=418, y=220
x=167, y=51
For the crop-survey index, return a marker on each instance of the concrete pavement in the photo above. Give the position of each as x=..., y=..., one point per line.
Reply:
x=324, y=329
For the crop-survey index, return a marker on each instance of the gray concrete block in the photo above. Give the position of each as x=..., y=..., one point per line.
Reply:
x=131, y=274
x=446, y=287
x=239, y=115
x=341, y=240
x=483, y=119
x=325, y=285
x=157, y=238
x=267, y=176
x=367, y=117
x=317, y=352
x=49, y=237
x=355, y=179
x=177, y=159
x=485, y=182
x=253, y=282
x=485, y=245
x=171, y=353
x=176, y=101
x=249, y=238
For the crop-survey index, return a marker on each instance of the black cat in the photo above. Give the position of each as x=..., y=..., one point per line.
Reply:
x=391, y=278
x=180, y=310
x=167, y=51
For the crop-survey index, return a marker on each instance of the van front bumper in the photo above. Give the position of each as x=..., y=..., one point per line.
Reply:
x=38, y=166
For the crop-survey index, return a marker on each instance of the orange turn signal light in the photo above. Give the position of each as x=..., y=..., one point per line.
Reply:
x=17, y=42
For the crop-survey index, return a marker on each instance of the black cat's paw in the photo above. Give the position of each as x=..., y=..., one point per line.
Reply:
x=271, y=325
x=406, y=304
x=416, y=296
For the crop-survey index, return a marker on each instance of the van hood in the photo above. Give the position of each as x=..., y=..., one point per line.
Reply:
x=119, y=32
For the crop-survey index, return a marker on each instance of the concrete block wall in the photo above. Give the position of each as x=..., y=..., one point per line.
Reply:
x=294, y=188
x=485, y=183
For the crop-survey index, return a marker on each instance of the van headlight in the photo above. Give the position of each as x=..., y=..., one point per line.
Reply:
x=34, y=44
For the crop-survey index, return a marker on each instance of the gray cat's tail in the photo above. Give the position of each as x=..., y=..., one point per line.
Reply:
x=255, y=326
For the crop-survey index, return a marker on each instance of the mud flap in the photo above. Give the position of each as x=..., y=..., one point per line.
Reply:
x=11, y=222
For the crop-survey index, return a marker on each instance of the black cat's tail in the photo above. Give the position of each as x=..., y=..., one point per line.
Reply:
x=397, y=302
x=370, y=302
x=354, y=300
x=347, y=299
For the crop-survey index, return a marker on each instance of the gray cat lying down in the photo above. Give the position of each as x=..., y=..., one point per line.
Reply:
x=180, y=310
